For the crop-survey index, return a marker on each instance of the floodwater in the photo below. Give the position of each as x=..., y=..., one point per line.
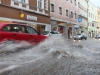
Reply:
x=54, y=56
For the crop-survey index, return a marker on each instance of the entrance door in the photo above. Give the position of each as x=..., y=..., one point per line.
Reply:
x=70, y=32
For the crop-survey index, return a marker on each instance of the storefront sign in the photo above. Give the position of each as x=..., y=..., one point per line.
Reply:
x=69, y=24
x=29, y=17
x=48, y=28
x=76, y=26
x=79, y=19
x=22, y=15
x=60, y=23
x=4, y=21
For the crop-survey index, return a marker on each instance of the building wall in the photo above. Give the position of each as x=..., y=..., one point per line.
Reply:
x=65, y=5
x=12, y=10
x=15, y=14
x=92, y=20
x=58, y=20
x=83, y=5
x=98, y=19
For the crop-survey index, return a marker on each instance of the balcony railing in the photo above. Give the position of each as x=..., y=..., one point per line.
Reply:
x=26, y=6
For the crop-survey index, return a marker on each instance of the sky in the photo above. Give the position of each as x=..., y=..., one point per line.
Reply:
x=95, y=2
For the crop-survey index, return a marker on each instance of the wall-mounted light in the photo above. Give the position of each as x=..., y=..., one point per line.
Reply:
x=22, y=14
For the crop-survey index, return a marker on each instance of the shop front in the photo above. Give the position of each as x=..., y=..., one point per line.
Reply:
x=61, y=27
x=58, y=26
x=36, y=20
x=76, y=29
x=70, y=32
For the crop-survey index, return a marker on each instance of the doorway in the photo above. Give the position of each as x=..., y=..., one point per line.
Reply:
x=70, y=33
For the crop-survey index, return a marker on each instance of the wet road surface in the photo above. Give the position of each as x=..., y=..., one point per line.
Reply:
x=55, y=56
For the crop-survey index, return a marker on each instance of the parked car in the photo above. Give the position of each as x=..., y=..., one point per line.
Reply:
x=52, y=33
x=80, y=36
x=19, y=32
x=97, y=36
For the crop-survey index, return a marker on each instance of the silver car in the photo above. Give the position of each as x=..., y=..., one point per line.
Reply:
x=97, y=36
x=52, y=33
x=80, y=37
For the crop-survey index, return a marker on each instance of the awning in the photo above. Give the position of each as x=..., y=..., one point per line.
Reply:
x=76, y=26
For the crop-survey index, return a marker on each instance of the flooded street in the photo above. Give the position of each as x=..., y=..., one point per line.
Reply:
x=55, y=56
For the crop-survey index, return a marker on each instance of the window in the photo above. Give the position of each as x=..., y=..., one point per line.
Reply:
x=31, y=30
x=75, y=2
x=66, y=12
x=75, y=16
x=92, y=24
x=20, y=3
x=78, y=4
x=99, y=13
x=60, y=10
x=52, y=7
x=71, y=1
x=14, y=28
x=40, y=4
x=6, y=28
x=23, y=1
x=71, y=14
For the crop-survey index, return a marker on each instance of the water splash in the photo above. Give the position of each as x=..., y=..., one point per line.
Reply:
x=54, y=56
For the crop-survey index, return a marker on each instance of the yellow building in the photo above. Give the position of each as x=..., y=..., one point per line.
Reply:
x=98, y=19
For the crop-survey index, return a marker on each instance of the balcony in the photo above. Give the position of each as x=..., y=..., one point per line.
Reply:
x=83, y=15
x=26, y=6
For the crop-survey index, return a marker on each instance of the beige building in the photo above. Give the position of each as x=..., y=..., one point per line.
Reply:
x=83, y=5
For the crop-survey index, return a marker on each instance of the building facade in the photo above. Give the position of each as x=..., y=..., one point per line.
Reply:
x=98, y=19
x=83, y=14
x=32, y=12
x=92, y=20
x=64, y=14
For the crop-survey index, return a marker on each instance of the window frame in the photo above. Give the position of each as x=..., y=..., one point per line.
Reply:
x=71, y=14
x=53, y=7
x=31, y=28
x=67, y=12
x=60, y=10
x=42, y=4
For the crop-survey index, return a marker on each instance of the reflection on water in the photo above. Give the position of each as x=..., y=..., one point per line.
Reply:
x=54, y=56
